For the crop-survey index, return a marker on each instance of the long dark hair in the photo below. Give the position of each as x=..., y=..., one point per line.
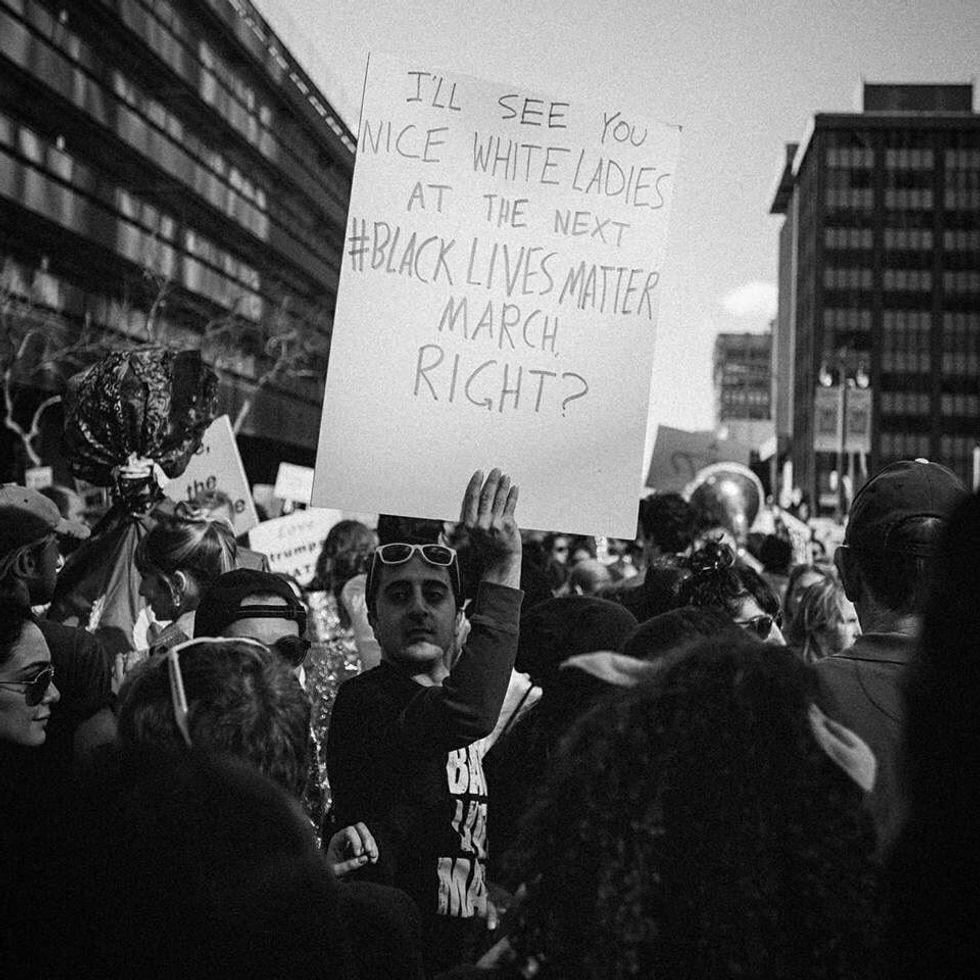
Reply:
x=694, y=828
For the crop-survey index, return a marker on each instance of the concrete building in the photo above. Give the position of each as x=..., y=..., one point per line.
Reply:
x=879, y=274
x=742, y=377
x=175, y=149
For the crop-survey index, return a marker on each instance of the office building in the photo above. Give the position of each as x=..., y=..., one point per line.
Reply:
x=879, y=277
x=173, y=152
x=742, y=378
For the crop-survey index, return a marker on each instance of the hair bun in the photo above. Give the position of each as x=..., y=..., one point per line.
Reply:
x=712, y=557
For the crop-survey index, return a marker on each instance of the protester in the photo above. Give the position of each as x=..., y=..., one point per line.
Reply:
x=29, y=566
x=556, y=548
x=652, y=640
x=885, y=566
x=934, y=867
x=177, y=562
x=717, y=581
x=551, y=633
x=346, y=552
x=216, y=505
x=825, y=622
x=697, y=828
x=400, y=750
x=801, y=577
x=188, y=864
x=587, y=577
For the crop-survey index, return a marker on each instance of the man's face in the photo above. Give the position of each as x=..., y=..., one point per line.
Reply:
x=262, y=628
x=415, y=614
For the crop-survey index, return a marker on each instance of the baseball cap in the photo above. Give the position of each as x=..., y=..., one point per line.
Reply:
x=222, y=605
x=887, y=511
x=27, y=516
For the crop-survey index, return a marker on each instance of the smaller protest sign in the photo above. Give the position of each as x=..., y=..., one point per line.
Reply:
x=292, y=543
x=38, y=477
x=294, y=483
x=217, y=465
x=678, y=457
x=826, y=420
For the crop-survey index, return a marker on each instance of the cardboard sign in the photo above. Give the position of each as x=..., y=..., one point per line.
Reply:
x=292, y=543
x=294, y=483
x=217, y=465
x=498, y=300
x=678, y=457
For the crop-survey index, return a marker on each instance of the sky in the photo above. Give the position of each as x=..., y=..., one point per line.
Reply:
x=743, y=78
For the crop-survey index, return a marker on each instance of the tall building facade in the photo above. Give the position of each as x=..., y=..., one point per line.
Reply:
x=879, y=276
x=171, y=156
x=742, y=377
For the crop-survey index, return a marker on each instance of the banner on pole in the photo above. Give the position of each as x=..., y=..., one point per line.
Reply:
x=857, y=432
x=498, y=300
x=826, y=420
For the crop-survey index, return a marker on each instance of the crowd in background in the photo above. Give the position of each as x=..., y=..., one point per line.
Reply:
x=685, y=755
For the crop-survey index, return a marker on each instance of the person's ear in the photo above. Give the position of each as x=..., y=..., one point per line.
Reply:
x=850, y=574
x=26, y=564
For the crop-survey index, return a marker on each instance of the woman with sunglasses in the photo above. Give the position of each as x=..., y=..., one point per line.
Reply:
x=716, y=580
x=27, y=689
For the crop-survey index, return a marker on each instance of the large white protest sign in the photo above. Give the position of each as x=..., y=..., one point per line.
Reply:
x=217, y=465
x=497, y=302
x=294, y=483
x=292, y=543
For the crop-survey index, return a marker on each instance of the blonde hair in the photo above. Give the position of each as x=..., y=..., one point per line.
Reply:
x=203, y=548
x=819, y=607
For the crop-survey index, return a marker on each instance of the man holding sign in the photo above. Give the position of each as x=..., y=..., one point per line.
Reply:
x=400, y=751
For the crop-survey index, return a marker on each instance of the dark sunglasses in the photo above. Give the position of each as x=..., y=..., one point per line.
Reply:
x=397, y=553
x=761, y=625
x=36, y=687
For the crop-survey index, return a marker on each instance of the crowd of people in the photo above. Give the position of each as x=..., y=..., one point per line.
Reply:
x=470, y=750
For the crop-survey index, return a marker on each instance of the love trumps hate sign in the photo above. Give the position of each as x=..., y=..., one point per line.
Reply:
x=498, y=301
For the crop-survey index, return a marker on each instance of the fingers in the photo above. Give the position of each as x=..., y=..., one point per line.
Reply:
x=468, y=512
x=346, y=867
x=493, y=916
x=511, y=502
x=364, y=843
x=488, y=496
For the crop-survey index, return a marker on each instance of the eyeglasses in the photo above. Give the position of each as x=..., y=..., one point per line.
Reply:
x=760, y=625
x=36, y=687
x=177, y=695
x=397, y=553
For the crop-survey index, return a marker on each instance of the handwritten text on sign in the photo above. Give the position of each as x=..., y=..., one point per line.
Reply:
x=498, y=300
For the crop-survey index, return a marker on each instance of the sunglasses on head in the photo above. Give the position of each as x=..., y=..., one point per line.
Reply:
x=172, y=658
x=36, y=687
x=760, y=625
x=397, y=553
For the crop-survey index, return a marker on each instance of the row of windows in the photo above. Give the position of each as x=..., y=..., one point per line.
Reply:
x=960, y=404
x=100, y=218
x=962, y=200
x=848, y=237
x=957, y=449
x=912, y=239
x=961, y=240
x=858, y=200
x=904, y=403
x=909, y=158
x=963, y=160
x=961, y=282
x=906, y=320
x=908, y=198
x=905, y=362
x=966, y=324
x=906, y=280
x=961, y=364
x=851, y=318
x=848, y=277
x=850, y=156
x=904, y=445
